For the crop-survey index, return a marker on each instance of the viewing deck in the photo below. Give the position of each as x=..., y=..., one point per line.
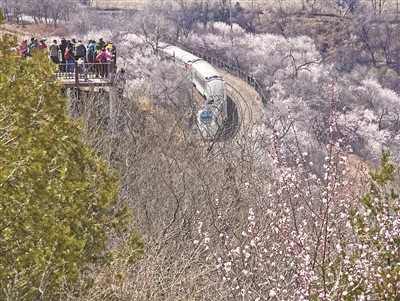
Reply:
x=86, y=74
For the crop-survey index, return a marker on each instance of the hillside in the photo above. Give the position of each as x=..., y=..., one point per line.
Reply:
x=34, y=30
x=285, y=210
x=328, y=32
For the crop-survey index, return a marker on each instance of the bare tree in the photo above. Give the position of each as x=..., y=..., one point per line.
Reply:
x=186, y=17
x=368, y=40
x=378, y=6
x=153, y=27
x=13, y=10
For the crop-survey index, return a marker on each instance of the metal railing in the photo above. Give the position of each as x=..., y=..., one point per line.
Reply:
x=247, y=77
x=85, y=71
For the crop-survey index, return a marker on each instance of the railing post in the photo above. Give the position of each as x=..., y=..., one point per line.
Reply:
x=76, y=73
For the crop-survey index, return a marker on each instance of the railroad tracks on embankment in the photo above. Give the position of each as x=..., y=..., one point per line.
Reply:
x=245, y=108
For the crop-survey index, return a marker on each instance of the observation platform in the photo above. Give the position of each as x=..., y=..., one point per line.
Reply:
x=79, y=75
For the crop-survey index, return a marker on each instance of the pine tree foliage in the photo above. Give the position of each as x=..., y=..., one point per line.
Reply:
x=374, y=266
x=58, y=200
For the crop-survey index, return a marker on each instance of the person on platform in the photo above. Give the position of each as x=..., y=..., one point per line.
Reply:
x=104, y=58
x=63, y=45
x=69, y=57
x=24, y=48
x=80, y=51
x=54, y=50
x=42, y=45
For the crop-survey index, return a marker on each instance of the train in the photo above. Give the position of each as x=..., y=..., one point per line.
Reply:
x=210, y=84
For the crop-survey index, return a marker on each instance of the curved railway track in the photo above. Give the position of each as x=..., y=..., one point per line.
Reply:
x=240, y=118
x=245, y=101
x=244, y=108
x=244, y=105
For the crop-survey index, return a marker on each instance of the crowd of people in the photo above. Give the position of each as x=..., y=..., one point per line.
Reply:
x=69, y=54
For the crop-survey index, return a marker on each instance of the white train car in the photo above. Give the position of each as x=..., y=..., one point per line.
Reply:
x=209, y=122
x=177, y=53
x=209, y=83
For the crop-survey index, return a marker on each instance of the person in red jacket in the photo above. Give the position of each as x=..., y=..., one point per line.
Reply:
x=42, y=45
x=104, y=58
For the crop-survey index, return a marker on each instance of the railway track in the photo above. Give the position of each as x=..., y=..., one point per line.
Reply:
x=246, y=102
x=244, y=108
x=240, y=114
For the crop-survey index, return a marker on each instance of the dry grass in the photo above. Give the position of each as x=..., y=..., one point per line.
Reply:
x=34, y=30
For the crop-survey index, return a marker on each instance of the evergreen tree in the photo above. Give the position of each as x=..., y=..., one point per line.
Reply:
x=58, y=201
x=375, y=262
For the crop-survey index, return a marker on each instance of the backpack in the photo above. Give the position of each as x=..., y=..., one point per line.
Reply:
x=80, y=50
x=92, y=48
x=66, y=54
